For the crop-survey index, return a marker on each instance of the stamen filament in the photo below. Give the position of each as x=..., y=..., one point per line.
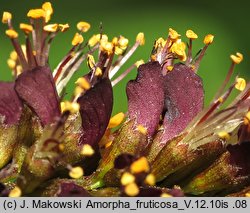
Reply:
x=20, y=53
x=123, y=60
x=198, y=60
x=229, y=74
x=68, y=57
x=123, y=75
x=70, y=70
x=216, y=104
x=165, y=50
x=110, y=60
x=29, y=52
x=46, y=47
x=189, y=56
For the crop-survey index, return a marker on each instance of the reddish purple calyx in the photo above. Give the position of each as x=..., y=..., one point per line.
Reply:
x=184, y=99
x=10, y=104
x=146, y=96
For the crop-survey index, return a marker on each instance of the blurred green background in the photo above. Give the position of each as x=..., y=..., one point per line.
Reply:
x=227, y=21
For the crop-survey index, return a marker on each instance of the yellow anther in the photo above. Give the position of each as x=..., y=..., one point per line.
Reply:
x=47, y=7
x=69, y=106
x=220, y=99
x=90, y=61
x=11, y=33
x=11, y=63
x=122, y=42
x=139, y=63
x=173, y=35
x=87, y=150
x=82, y=82
x=237, y=58
x=62, y=104
x=153, y=57
x=102, y=37
x=191, y=35
x=208, y=39
x=108, y=144
x=169, y=68
x=131, y=189
x=36, y=13
x=116, y=120
x=19, y=70
x=76, y=172
x=127, y=178
x=93, y=41
x=13, y=55
x=142, y=129
x=159, y=43
x=63, y=27
x=224, y=135
x=61, y=147
x=78, y=91
x=27, y=28
x=6, y=17
x=98, y=71
x=74, y=107
x=78, y=39
x=15, y=192
x=96, y=38
x=83, y=26
x=247, y=118
x=140, y=38
x=179, y=49
x=51, y=28
x=166, y=195
x=150, y=180
x=140, y=165
x=106, y=47
x=118, y=50
x=115, y=41
x=240, y=84
x=193, y=67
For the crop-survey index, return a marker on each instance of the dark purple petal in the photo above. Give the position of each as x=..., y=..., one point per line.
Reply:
x=123, y=160
x=37, y=89
x=176, y=192
x=10, y=104
x=183, y=101
x=244, y=133
x=72, y=190
x=240, y=157
x=149, y=192
x=146, y=96
x=95, y=109
x=4, y=192
x=157, y=192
